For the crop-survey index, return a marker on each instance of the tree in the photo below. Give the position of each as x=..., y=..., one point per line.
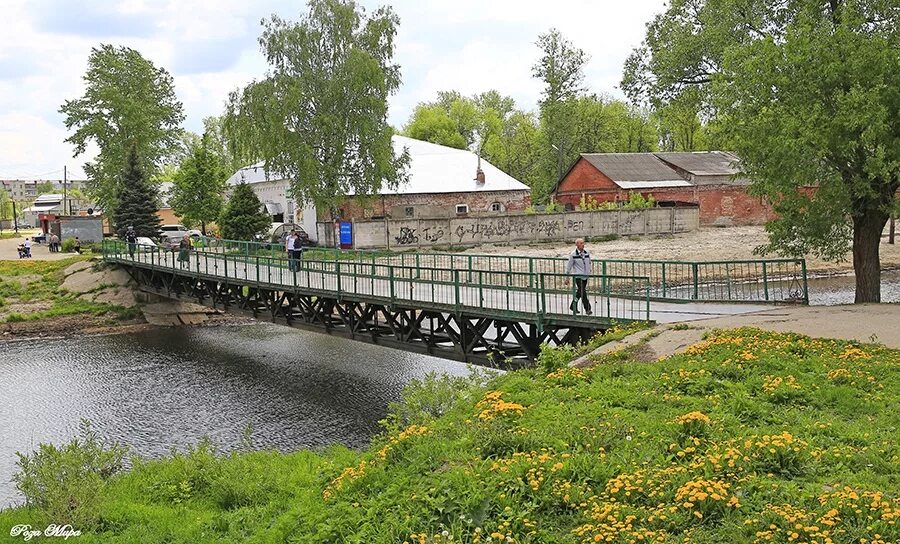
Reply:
x=6, y=212
x=319, y=118
x=809, y=93
x=199, y=185
x=137, y=202
x=128, y=102
x=561, y=68
x=243, y=218
x=44, y=187
x=431, y=123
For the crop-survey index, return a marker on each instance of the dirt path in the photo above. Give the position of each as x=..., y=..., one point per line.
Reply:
x=707, y=244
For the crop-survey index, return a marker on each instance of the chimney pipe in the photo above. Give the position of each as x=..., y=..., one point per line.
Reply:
x=479, y=173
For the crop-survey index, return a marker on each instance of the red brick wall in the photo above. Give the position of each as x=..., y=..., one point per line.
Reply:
x=717, y=202
x=443, y=203
x=583, y=177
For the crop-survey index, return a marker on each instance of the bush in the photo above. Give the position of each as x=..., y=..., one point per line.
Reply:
x=432, y=397
x=68, y=245
x=64, y=483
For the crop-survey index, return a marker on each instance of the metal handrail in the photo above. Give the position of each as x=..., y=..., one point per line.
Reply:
x=507, y=292
x=741, y=280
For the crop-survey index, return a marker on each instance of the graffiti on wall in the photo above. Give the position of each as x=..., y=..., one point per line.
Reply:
x=502, y=228
x=407, y=237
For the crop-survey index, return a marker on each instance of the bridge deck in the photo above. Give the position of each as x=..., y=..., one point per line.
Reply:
x=497, y=294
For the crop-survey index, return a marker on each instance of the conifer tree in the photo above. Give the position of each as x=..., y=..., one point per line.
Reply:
x=137, y=205
x=243, y=217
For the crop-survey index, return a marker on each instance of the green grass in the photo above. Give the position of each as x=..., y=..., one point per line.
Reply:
x=45, y=287
x=747, y=437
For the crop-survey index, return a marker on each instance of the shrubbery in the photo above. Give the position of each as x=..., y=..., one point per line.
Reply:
x=64, y=483
x=704, y=447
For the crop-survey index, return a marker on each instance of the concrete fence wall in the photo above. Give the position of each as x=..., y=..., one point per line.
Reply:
x=513, y=228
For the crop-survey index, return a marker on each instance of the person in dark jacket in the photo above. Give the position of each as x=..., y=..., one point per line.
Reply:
x=131, y=240
x=184, y=251
x=579, y=266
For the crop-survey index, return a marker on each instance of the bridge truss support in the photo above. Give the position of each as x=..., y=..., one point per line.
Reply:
x=499, y=342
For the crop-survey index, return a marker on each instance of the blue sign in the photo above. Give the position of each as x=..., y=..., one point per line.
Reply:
x=346, y=234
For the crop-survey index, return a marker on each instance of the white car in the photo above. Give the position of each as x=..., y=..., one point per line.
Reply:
x=145, y=244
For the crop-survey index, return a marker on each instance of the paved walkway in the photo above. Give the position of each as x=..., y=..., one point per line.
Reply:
x=39, y=252
x=878, y=323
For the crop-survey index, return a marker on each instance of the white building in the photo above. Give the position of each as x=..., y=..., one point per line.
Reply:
x=442, y=181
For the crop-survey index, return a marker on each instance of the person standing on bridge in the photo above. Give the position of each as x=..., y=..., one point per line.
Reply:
x=131, y=240
x=184, y=251
x=289, y=247
x=579, y=266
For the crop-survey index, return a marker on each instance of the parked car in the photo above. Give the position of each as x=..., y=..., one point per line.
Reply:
x=39, y=238
x=145, y=244
x=280, y=231
x=169, y=240
x=172, y=230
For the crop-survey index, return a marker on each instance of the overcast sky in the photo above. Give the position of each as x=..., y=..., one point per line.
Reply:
x=210, y=48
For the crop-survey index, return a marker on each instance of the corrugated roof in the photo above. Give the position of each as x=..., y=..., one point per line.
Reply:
x=433, y=168
x=42, y=207
x=704, y=163
x=652, y=184
x=642, y=167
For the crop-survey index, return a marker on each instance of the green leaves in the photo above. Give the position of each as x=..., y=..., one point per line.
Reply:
x=243, y=218
x=199, y=185
x=127, y=102
x=808, y=94
x=319, y=118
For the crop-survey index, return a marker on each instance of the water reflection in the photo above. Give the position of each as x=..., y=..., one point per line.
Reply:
x=168, y=388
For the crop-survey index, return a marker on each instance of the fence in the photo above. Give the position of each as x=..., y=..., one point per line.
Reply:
x=508, y=293
x=754, y=280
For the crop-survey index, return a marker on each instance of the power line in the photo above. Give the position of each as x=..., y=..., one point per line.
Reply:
x=29, y=176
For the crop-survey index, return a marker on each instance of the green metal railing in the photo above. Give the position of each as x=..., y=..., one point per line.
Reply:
x=752, y=280
x=533, y=296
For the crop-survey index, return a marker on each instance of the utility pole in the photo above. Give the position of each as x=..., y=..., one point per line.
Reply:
x=65, y=193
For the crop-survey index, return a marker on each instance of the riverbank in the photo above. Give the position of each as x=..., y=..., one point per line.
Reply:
x=748, y=436
x=77, y=295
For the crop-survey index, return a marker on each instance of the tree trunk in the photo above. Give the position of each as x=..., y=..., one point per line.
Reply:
x=892, y=230
x=203, y=227
x=867, y=230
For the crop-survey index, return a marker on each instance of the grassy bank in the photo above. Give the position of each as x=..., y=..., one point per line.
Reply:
x=746, y=437
x=30, y=291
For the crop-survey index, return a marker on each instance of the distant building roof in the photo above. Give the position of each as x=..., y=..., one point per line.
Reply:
x=704, y=163
x=49, y=197
x=433, y=168
x=635, y=170
x=42, y=207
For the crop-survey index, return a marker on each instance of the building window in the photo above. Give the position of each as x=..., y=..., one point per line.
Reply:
x=409, y=211
x=496, y=207
x=462, y=209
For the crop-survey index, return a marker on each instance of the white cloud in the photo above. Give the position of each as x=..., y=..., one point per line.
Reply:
x=210, y=47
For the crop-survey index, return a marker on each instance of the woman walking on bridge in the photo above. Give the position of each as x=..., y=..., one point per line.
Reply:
x=579, y=265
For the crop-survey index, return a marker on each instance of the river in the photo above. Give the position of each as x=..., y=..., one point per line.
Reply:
x=169, y=387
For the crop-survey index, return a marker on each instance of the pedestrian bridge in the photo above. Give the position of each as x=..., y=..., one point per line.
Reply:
x=489, y=310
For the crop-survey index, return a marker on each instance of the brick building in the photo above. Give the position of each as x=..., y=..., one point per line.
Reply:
x=710, y=180
x=442, y=182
